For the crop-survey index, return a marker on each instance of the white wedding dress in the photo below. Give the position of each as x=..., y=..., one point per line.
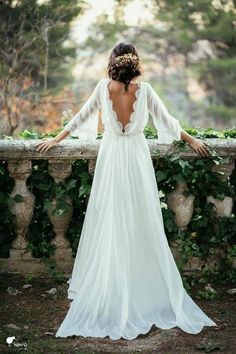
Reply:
x=125, y=278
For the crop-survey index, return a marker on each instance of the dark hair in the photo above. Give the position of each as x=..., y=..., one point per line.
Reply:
x=126, y=70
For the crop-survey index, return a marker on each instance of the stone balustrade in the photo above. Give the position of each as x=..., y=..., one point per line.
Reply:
x=19, y=155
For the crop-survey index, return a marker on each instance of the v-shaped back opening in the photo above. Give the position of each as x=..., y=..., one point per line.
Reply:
x=130, y=121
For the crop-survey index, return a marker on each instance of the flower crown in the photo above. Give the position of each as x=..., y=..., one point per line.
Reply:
x=129, y=58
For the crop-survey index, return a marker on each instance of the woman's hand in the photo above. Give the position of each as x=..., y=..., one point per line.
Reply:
x=46, y=144
x=199, y=147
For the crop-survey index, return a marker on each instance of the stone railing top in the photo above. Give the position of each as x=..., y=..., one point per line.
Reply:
x=77, y=149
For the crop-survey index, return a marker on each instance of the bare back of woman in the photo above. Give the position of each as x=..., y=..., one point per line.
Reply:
x=122, y=103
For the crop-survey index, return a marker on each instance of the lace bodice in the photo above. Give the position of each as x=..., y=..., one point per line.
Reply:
x=85, y=122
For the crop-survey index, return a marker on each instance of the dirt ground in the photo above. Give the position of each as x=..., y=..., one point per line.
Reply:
x=33, y=316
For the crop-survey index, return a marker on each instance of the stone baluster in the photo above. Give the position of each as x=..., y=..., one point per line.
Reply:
x=60, y=170
x=223, y=208
x=20, y=170
x=181, y=205
x=91, y=166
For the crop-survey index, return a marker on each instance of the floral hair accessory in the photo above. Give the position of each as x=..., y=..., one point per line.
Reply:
x=127, y=59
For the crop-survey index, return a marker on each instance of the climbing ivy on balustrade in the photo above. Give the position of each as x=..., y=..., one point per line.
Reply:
x=205, y=233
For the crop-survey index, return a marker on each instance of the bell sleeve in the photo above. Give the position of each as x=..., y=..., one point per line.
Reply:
x=168, y=127
x=85, y=123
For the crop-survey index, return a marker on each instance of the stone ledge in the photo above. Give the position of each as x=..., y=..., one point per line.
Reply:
x=71, y=149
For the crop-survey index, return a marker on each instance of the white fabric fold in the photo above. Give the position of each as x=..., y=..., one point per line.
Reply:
x=85, y=123
x=168, y=127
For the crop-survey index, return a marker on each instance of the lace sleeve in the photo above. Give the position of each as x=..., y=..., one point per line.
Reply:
x=168, y=127
x=84, y=123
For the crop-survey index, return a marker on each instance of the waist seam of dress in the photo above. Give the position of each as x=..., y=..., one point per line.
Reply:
x=123, y=134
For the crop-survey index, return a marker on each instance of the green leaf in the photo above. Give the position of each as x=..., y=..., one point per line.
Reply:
x=18, y=198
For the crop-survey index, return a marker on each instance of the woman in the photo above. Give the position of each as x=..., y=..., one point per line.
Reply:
x=125, y=278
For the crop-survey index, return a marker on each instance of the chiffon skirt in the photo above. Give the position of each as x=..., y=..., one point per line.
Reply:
x=124, y=277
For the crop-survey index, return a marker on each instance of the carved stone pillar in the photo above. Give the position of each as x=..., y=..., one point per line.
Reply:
x=223, y=208
x=60, y=170
x=20, y=170
x=91, y=166
x=182, y=206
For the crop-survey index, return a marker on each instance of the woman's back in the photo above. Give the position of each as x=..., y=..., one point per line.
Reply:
x=122, y=104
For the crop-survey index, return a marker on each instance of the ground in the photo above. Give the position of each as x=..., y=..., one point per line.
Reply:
x=34, y=315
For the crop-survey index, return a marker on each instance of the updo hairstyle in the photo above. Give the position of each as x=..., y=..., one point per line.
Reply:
x=124, y=64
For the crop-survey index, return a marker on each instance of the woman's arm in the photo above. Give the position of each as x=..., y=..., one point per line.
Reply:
x=196, y=144
x=90, y=107
x=49, y=143
x=168, y=127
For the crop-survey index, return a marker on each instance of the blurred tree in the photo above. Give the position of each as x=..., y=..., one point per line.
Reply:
x=204, y=31
x=201, y=33
x=36, y=53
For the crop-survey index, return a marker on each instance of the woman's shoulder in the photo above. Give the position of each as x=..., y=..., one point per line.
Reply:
x=107, y=79
x=104, y=80
x=146, y=83
x=142, y=83
x=149, y=88
x=100, y=83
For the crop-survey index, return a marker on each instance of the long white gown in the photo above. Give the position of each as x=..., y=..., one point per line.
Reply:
x=124, y=277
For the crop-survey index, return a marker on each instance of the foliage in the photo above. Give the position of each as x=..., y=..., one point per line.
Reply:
x=204, y=31
x=34, y=60
x=57, y=276
x=200, y=34
x=209, y=347
x=150, y=133
x=27, y=28
x=206, y=233
x=76, y=186
x=6, y=225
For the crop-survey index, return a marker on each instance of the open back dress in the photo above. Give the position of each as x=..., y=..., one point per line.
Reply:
x=124, y=277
